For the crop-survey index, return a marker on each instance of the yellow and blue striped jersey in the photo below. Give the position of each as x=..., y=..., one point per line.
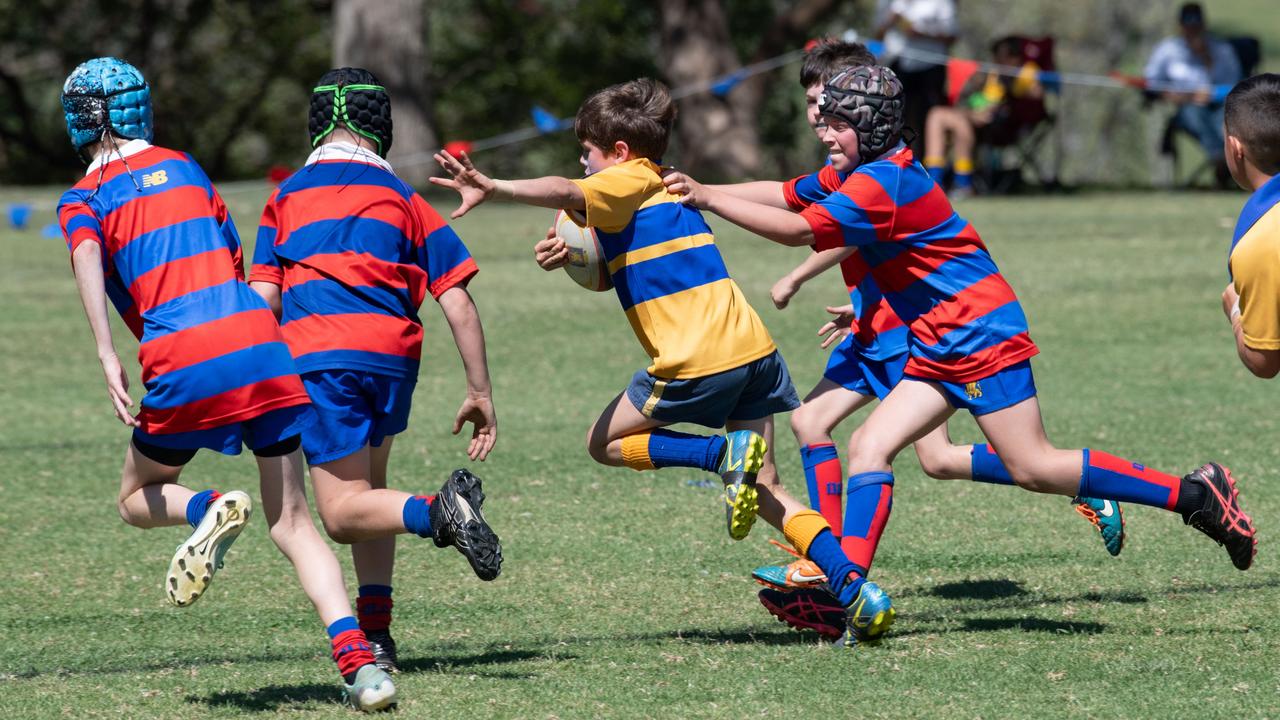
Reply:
x=1255, y=267
x=689, y=315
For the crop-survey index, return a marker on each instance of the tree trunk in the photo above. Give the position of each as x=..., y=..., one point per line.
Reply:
x=719, y=136
x=696, y=49
x=389, y=38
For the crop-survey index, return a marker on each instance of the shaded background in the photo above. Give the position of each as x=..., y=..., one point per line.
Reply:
x=232, y=78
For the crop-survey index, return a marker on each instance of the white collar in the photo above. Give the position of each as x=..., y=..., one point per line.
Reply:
x=133, y=147
x=343, y=150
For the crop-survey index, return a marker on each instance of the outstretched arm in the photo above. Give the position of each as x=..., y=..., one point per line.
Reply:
x=764, y=192
x=475, y=187
x=813, y=266
x=87, y=263
x=781, y=226
x=269, y=292
x=464, y=322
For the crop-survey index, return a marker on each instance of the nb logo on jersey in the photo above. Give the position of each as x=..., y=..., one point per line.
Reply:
x=972, y=390
x=158, y=177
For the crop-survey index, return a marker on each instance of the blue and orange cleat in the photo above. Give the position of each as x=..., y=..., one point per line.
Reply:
x=743, y=457
x=868, y=618
x=806, y=609
x=1107, y=516
x=799, y=573
x=1220, y=515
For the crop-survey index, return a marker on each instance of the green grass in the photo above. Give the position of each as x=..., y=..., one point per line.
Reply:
x=622, y=595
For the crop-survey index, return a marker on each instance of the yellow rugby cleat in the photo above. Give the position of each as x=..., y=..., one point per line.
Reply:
x=743, y=457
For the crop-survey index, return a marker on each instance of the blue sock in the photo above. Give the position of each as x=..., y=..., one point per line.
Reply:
x=668, y=448
x=375, y=591
x=198, y=505
x=987, y=467
x=842, y=574
x=961, y=180
x=342, y=625
x=937, y=173
x=811, y=456
x=417, y=515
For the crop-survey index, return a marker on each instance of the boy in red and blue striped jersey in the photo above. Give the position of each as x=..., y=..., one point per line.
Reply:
x=346, y=253
x=968, y=343
x=146, y=229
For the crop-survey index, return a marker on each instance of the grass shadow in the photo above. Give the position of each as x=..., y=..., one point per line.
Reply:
x=1033, y=624
x=272, y=698
x=978, y=589
x=476, y=664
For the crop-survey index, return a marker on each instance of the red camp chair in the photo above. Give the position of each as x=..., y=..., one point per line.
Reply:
x=1006, y=152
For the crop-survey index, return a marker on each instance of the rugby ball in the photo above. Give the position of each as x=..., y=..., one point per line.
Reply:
x=586, y=263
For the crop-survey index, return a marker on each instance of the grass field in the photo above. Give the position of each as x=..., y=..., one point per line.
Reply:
x=622, y=595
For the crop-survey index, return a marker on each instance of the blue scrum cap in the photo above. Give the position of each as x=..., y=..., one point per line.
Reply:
x=106, y=93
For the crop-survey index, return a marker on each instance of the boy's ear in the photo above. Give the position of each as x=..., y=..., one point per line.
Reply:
x=1235, y=148
x=622, y=150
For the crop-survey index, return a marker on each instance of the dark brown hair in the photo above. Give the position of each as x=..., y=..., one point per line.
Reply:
x=1252, y=115
x=640, y=113
x=828, y=57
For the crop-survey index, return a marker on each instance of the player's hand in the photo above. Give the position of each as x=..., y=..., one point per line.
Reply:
x=474, y=186
x=838, y=327
x=691, y=191
x=477, y=409
x=118, y=388
x=783, y=291
x=551, y=252
x=1230, y=300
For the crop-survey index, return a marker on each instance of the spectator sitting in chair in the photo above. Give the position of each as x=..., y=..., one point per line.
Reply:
x=986, y=103
x=1184, y=69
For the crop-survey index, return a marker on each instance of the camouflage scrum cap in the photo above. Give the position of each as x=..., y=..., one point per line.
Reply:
x=870, y=99
x=351, y=98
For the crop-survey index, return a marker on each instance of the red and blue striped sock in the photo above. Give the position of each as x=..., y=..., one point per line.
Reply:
x=668, y=448
x=1108, y=477
x=198, y=505
x=373, y=607
x=416, y=515
x=987, y=467
x=350, y=647
x=825, y=480
x=866, y=512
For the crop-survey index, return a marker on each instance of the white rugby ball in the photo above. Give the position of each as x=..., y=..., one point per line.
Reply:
x=586, y=264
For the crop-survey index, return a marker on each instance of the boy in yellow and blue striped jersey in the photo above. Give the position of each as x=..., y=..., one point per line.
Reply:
x=714, y=363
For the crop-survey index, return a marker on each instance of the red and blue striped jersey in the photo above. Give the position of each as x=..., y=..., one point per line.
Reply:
x=934, y=270
x=210, y=349
x=355, y=251
x=878, y=332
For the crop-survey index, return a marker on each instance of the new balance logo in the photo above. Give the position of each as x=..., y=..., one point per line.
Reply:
x=158, y=177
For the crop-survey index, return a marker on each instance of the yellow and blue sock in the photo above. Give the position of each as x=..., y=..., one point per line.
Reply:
x=199, y=504
x=811, y=536
x=937, y=167
x=867, y=507
x=986, y=466
x=667, y=448
x=963, y=175
x=1108, y=477
x=416, y=515
x=825, y=481
x=350, y=647
x=373, y=607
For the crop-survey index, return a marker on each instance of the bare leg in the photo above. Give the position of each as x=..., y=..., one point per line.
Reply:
x=350, y=507
x=942, y=460
x=375, y=559
x=911, y=410
x=619, y=419
x=284, y=502
x=149, y=494
x=1018, y=437
x=776, y=506
x=823, y=409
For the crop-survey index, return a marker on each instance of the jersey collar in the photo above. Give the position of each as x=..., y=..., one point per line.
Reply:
x=1261, y=201
x=133, y=147
x=346, y=151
